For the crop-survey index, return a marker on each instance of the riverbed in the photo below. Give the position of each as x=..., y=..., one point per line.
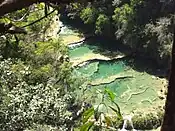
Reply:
x=133, y=81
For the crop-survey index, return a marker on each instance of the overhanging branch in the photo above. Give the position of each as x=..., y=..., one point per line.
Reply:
x=39, y=19
x=12, y=29
x=8, y=6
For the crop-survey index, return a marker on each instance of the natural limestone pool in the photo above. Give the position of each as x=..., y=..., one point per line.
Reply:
x=135, y=88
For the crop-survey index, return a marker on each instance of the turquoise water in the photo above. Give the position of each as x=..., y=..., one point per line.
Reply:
x=143, y=93
x=89, y=69
x=99, y=70
x=107, y=69
x=135, y=93
x=80, y=51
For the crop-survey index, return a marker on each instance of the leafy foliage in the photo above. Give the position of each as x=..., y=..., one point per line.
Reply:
x=37, y=86
x=122, y=16
x=88, y=15
x=98, y=115
x=159, y=33
x=129, y=22
x=102, y=24
x=35, y=93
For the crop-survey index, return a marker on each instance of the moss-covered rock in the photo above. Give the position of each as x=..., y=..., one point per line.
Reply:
x=147, y=121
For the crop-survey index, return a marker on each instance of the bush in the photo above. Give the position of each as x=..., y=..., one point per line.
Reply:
x=88, y=15
x=102, y=25
x=37, y=93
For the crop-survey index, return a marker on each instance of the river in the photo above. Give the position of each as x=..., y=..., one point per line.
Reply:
x=135, y=85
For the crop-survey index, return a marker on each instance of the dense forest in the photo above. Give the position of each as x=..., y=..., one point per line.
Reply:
x=143, y=25
x=39, y=90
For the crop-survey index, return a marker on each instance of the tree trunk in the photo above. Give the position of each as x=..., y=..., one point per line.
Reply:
x=169, y=116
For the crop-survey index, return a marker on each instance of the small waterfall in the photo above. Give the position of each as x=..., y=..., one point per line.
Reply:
x=83, y=64
x=127, y=119
x=64, y=29
x=61, y=24
x=76, y=44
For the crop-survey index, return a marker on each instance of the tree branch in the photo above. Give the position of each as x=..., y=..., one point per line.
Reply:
x=38, y=19
x=12, y=29
x=8, y=6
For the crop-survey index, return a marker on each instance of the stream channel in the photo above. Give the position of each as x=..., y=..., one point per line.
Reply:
x=133, y=81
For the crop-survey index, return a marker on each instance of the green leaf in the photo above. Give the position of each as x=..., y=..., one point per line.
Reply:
x=118, y=108
x=117, y=112
x=97, y=114
x=87, y=114
x=87, y=126
x=110, y=94
x=5, y=20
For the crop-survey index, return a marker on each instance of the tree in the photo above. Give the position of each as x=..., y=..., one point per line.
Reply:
x=102, y=24
x=169, y=117
x=8, y=6
x=36, y=87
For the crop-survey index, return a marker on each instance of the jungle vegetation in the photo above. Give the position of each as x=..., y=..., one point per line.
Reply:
x=36, y=81
x=143, y=25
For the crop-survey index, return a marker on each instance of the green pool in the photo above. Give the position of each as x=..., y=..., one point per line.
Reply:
x=133, y=93
x=139, y=92
x=80, y=51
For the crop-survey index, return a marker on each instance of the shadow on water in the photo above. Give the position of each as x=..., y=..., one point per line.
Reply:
x=107, y=47
x=111, y=48
x=142, y=64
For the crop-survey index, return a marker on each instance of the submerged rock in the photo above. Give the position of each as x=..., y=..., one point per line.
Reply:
x=110, y=79
x=91, y=57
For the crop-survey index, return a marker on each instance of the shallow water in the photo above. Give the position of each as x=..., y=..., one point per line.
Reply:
x=106, y=69
x=139, y=92
x=80, y=51
x=89, y=70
